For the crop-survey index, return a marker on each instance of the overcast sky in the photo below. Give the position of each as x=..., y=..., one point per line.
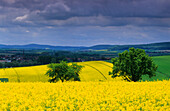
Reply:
x=84, y=22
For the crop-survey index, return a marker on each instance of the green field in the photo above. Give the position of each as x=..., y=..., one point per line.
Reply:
x=163, y=71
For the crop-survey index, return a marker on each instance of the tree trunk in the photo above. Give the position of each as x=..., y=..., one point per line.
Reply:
x=134, y=78
x=62, y=80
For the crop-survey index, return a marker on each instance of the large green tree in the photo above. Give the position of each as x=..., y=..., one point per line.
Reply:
x=132, y=64
x=64, y=72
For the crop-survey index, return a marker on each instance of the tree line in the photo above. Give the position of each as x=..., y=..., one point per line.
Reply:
x=22, y=60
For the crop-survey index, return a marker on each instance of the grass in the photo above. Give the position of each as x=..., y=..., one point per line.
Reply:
x=163, y=71
x=164, y=64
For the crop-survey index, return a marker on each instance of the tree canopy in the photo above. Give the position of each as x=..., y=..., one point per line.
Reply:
x=64, y=72
x=132, y=64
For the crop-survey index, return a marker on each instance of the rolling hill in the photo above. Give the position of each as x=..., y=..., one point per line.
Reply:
x=92, y=71
x=163, y=71
x=38, y=46
x=151, y=46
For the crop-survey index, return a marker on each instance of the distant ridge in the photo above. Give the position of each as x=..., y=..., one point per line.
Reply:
x=38, y=46
x=154, y=46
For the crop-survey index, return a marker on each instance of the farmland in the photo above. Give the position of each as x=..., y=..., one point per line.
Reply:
x=34, y=92
x=92, y=71
x=82, y=96
x=163, y=71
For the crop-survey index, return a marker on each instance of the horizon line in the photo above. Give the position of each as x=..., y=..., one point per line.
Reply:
x=83, y=46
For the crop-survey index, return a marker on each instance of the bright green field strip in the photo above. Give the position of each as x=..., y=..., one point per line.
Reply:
x=158, y=76
x=163, y=63
x=163, y=71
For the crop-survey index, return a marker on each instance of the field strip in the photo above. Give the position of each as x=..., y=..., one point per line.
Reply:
x=96, y=69
x=5, y=72
x=81, y=77
x=18, y=77
x=90, y=74
x=164, y=74
x=103, y=64
x=36, y=72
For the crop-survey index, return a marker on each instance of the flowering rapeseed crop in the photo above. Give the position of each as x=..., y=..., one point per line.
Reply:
x=92, y=71
x=81, y=96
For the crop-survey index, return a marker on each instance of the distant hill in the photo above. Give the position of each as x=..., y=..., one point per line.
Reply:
x=37, y=46
x=152, y=46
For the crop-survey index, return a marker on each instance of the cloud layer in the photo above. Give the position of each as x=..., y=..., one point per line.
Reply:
x=51, y=15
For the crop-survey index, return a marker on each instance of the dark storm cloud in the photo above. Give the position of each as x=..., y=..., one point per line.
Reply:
x=116, y=8
x=84, y=22
x=86, y=12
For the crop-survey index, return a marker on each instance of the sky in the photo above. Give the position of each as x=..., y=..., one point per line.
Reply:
x=84, y=22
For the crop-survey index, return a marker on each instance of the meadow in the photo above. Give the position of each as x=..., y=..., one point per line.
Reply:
x=93, y=96
x=163, y=71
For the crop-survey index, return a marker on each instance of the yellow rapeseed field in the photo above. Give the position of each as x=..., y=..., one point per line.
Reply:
x=92, y=71
x=93, y=96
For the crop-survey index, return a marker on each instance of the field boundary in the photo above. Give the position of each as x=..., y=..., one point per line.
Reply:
x=97, y=70
x=104, y=64
x=36, y=73
x=164, y=74
x=18, y=77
